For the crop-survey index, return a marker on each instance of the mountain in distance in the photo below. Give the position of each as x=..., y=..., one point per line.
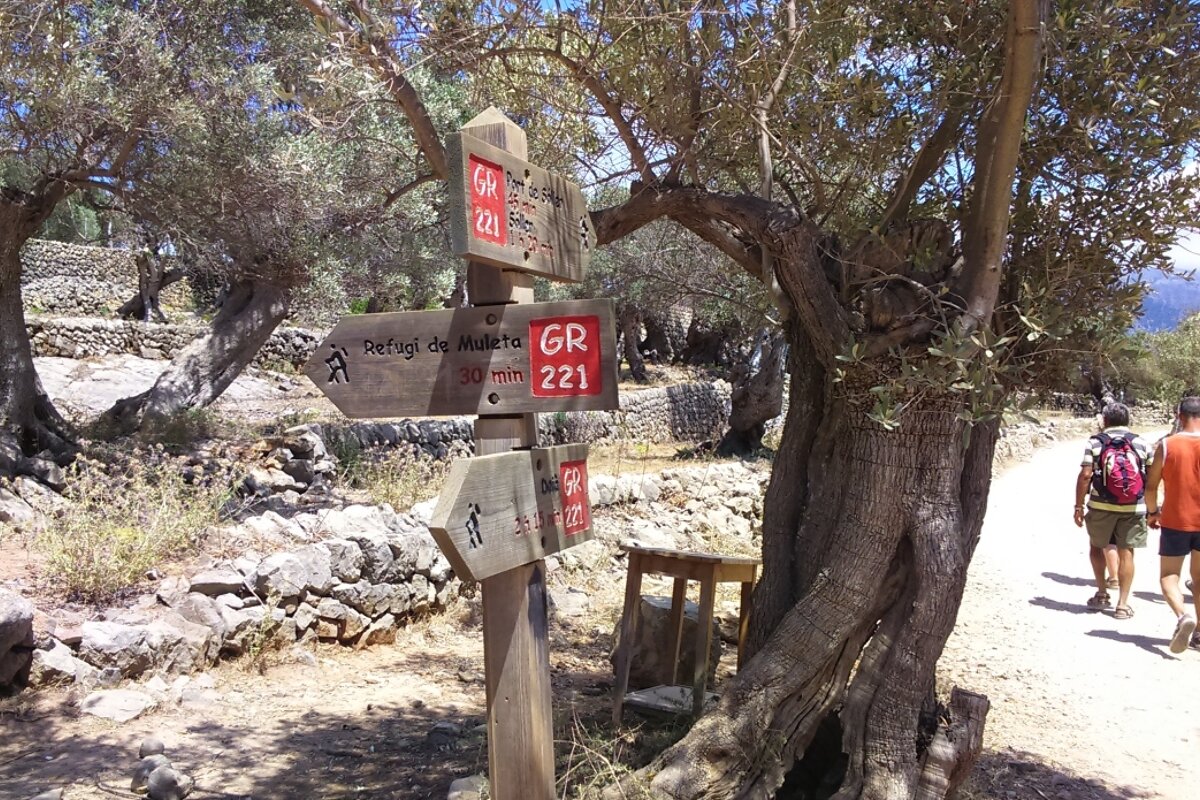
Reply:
x=1171, y=299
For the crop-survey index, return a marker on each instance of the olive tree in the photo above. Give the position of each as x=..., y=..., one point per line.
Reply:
x=942, y=199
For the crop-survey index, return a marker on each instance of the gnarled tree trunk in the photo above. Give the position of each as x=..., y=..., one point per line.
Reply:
x=629, y=324
x=866, y=540
x=26, y=412
x=757, y=397
x=152, y=279
x=204, y=369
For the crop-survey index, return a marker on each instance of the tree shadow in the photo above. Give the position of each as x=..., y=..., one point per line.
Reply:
x=1058, y=605
x=1155, y=646
x=1016, y=773
x=392, y=748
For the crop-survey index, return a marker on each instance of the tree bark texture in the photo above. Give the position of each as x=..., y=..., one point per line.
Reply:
x=205, y=368
x=630, y=323
x=757, y=398
x=25, y=409
x=152, y=279
x=866, y=544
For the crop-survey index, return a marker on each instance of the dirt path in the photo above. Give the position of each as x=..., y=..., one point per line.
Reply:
x=1083, y=705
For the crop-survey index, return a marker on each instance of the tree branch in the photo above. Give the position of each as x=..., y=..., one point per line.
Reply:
x=611, y=105
x=928, y=161
x=1000, y=132
x=378, y=54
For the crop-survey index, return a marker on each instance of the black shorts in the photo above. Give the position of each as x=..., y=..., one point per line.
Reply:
x=1177, y=543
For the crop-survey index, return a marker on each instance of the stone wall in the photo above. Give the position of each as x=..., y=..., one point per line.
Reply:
x=71, y=279
x=88, y=337
x=689, y=412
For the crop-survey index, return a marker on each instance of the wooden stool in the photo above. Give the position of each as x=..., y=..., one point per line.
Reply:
x=682, y=566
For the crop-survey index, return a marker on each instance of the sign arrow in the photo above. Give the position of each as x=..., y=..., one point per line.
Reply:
x=495, y=360
x=501, y=511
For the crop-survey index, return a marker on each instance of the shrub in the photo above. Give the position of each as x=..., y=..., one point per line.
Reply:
x=116, y=527
x=398, y=478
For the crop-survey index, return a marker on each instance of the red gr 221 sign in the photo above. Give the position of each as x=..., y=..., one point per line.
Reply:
x=564, y=356
x=573, y=488
x=488, y=215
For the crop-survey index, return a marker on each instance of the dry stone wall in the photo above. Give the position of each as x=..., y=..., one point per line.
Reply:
x=88, y=337
x=688, y=412
x=71, y=279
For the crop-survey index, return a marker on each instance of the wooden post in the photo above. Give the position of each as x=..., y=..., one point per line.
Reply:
x=515, y=625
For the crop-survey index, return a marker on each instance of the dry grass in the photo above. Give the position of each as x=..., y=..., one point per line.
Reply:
x=121, y=522
x=395, y=477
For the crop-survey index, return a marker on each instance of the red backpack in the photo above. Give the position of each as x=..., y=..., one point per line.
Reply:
x=1120, y=477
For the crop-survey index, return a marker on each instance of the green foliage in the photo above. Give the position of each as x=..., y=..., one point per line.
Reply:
x=117, y=526
x=1163, y=366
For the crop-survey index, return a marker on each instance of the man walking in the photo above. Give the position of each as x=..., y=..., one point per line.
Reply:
x=1113, y=479
x=1177, y=467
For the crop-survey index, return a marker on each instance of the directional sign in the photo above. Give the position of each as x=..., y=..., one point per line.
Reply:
x=511, y=214
x=499, y=512
x=506, y=359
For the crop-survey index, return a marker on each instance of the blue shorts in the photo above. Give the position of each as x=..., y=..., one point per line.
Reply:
x=1173, y=543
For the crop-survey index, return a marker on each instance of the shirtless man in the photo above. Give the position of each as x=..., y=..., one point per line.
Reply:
x=1176, y=466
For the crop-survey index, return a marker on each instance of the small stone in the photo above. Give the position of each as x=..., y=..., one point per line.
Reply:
x=169, y=784
x=141, y=774
x=345, y=559
x=316, y=559
x=219, y=581
x=304, y=616
x=381, y=631
x=118, y=705
x=151, y=746
x=282, y=575
x=230, y=601
x=58, y=664
x=569, y=602
x=472, y=788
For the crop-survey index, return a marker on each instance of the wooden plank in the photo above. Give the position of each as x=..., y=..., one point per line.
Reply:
x=499, y=360
x=629, y=619
x=512, y=214
x=500, y=511
x=708, y=587
x=675, y=700
x=516, y=655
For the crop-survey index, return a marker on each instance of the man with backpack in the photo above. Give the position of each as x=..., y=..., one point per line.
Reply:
x=1177, y=467
x=1113, y=480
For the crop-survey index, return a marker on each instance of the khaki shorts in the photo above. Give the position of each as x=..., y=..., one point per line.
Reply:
x=1121, y=528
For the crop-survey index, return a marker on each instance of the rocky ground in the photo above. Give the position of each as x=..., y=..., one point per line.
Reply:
x=1084, y=707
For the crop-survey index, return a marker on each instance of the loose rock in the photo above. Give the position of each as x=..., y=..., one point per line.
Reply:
x=118, y=705
x=141, y=774
x=169, y=784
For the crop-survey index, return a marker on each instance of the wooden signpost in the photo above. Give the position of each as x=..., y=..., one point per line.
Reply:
x=498, y=546
x=484, y=360
x=513, y=215
x=502, y=512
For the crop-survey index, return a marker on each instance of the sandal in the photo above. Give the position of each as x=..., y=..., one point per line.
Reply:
x=1123, y=612
x=1113, y=583
x=1099, y=601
